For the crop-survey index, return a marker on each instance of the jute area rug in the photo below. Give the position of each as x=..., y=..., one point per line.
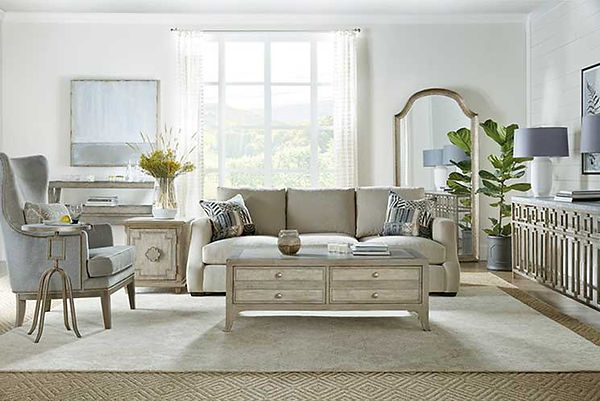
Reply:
x=386, y=385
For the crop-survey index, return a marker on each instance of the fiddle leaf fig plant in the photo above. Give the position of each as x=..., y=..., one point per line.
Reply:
x=459, y=181
x=499, y=182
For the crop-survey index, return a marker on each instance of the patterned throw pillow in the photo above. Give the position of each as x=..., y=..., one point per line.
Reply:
x=35, y=213
x=402, y=212
x=229, y=218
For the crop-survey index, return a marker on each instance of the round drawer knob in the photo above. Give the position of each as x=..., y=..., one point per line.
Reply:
x=375, y=275
x=375, y=295
x=278, y=275
x=278, y=295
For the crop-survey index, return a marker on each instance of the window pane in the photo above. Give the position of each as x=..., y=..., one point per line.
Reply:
x=326, y=151
x=244, y=179
x=326, y=179
x=211, y=148
x=291, y=180
x=211, y=182
x=291, y=105
x=325, y=62
x=244, y=61
x=325, y=105
x=291, y=149
x=244, y=148
x=210, y=61
x=290, y=62
x=245, y=105
x=211, y=101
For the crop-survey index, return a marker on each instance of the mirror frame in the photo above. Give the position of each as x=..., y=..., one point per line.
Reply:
x=401, y=136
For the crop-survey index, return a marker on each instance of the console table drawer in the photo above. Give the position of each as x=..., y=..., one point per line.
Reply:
x=376, y=296
x=279, y=274
x=279, y=296
x=375, y=273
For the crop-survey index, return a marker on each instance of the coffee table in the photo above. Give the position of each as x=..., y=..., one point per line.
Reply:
x=264, y=279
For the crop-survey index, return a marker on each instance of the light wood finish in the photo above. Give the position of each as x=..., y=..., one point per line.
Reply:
x=20, y=311
x=161, y=251
x=264, y=279
x=130, y=289
x=558, y=245
x=106, y=310
x=401, y=137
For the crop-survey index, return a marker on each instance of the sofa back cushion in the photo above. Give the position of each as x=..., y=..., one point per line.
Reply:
x=266, y=207
x=371, y=205
x=322, y=210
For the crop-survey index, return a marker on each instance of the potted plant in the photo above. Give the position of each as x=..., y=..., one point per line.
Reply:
x=164, y=161
x=497, y=184
x=459, y=183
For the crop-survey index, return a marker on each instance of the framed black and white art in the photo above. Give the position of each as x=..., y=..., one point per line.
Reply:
x=590, y=104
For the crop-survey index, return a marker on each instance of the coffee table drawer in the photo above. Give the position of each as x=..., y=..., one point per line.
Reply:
x=279, y=296
x=279, y=274
x=375, y=296
x=375, y=273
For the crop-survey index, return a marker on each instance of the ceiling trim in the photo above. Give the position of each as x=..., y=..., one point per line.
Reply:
x=259, y=19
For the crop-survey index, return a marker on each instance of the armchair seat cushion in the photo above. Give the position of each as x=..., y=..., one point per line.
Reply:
x=110, y=260
x=432, y=250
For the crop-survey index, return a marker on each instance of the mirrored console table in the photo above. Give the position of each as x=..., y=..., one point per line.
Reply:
x=558, y=244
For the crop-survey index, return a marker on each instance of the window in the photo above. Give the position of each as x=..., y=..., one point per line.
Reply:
x=268, y=110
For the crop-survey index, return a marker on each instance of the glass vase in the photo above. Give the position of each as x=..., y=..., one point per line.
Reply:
x=165, y=199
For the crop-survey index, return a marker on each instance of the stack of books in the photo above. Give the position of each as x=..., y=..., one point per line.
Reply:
x=370, y=249
x=102, y=201
x=578, y=196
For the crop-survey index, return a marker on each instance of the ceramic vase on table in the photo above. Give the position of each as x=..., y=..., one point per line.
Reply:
x=165, y=199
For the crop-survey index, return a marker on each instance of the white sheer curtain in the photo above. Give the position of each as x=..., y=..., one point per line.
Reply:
x=344, y=108
x=191, y=118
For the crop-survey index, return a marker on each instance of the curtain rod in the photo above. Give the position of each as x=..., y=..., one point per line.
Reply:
x=357, y=30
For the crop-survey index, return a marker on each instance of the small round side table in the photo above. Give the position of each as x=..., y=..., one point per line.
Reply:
x=56, y=255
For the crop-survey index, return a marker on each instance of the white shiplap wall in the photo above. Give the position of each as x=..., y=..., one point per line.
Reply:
x=564, y=38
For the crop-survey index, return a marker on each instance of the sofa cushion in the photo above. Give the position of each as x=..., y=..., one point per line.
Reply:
x=371, y=205
x=229, y=218
x=321, y=211
x=326, y=238
x=433, y=251
x=266, y=207
x=110, y=260
x=216, y=253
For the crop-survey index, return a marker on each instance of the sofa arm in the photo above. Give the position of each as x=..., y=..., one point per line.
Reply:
x=200, y=235
x=100, y=236
x=444, y=232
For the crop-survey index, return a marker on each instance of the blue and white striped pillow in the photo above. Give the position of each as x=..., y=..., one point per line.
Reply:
x=229, y=218
x=406, y=217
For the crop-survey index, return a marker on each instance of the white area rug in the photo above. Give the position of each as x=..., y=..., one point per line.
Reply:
x=482, y=329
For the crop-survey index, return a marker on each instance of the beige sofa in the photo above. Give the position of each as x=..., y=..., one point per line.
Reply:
x=320, y=216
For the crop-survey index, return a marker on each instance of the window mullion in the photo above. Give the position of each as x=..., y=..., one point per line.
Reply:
x=220, y=112
x=268, y=115
x=314, y=116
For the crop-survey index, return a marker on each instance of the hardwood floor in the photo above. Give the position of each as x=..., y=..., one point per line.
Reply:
x=564, y=304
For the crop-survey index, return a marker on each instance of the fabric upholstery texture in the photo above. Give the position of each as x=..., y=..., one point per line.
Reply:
x=371, y=203
x=322, y=239
x=229, y=218
x=321, y=211
x=217, y=252
x=433, y=251
x=35, y=213
x=110, y=260
x=423, y=206
x=266, y=207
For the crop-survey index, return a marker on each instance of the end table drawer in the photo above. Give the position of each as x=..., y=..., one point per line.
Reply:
x=279, y=274
x=375, y=273
x=279, y=296
x=375, y=296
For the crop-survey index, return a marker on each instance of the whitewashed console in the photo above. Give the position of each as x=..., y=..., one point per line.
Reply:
x=558, y=244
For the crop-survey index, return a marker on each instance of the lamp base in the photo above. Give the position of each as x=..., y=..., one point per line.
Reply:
x=440, y=177
x=541, y=177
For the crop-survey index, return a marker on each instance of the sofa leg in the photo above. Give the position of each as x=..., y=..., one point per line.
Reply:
x=20, y=316
x=131, y=294
x=106, y=314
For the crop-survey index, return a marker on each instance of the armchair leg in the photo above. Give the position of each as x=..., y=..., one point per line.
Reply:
x=106, y=314
x=20, y=316
x=48, y=306
x=131, y=294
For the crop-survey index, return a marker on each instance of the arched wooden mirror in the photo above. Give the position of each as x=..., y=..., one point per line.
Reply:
x=425, y=156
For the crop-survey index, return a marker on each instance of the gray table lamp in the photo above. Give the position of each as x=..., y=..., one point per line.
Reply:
x=541, y=143
x=590, y=134
x=434, y=158
x=453, y=153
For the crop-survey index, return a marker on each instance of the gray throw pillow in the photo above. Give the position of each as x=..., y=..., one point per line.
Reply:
x=403, y=215
x=35, y=213
x=229, y=218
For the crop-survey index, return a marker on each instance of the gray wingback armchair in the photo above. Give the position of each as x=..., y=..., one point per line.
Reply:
x=96, y=267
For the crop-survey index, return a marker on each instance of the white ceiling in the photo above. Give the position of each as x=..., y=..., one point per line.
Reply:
x=373, y=7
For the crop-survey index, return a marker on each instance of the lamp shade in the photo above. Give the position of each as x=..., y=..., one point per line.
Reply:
x=453, y=153
x=432, y=157
x=590, y=134
x=541, y=142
